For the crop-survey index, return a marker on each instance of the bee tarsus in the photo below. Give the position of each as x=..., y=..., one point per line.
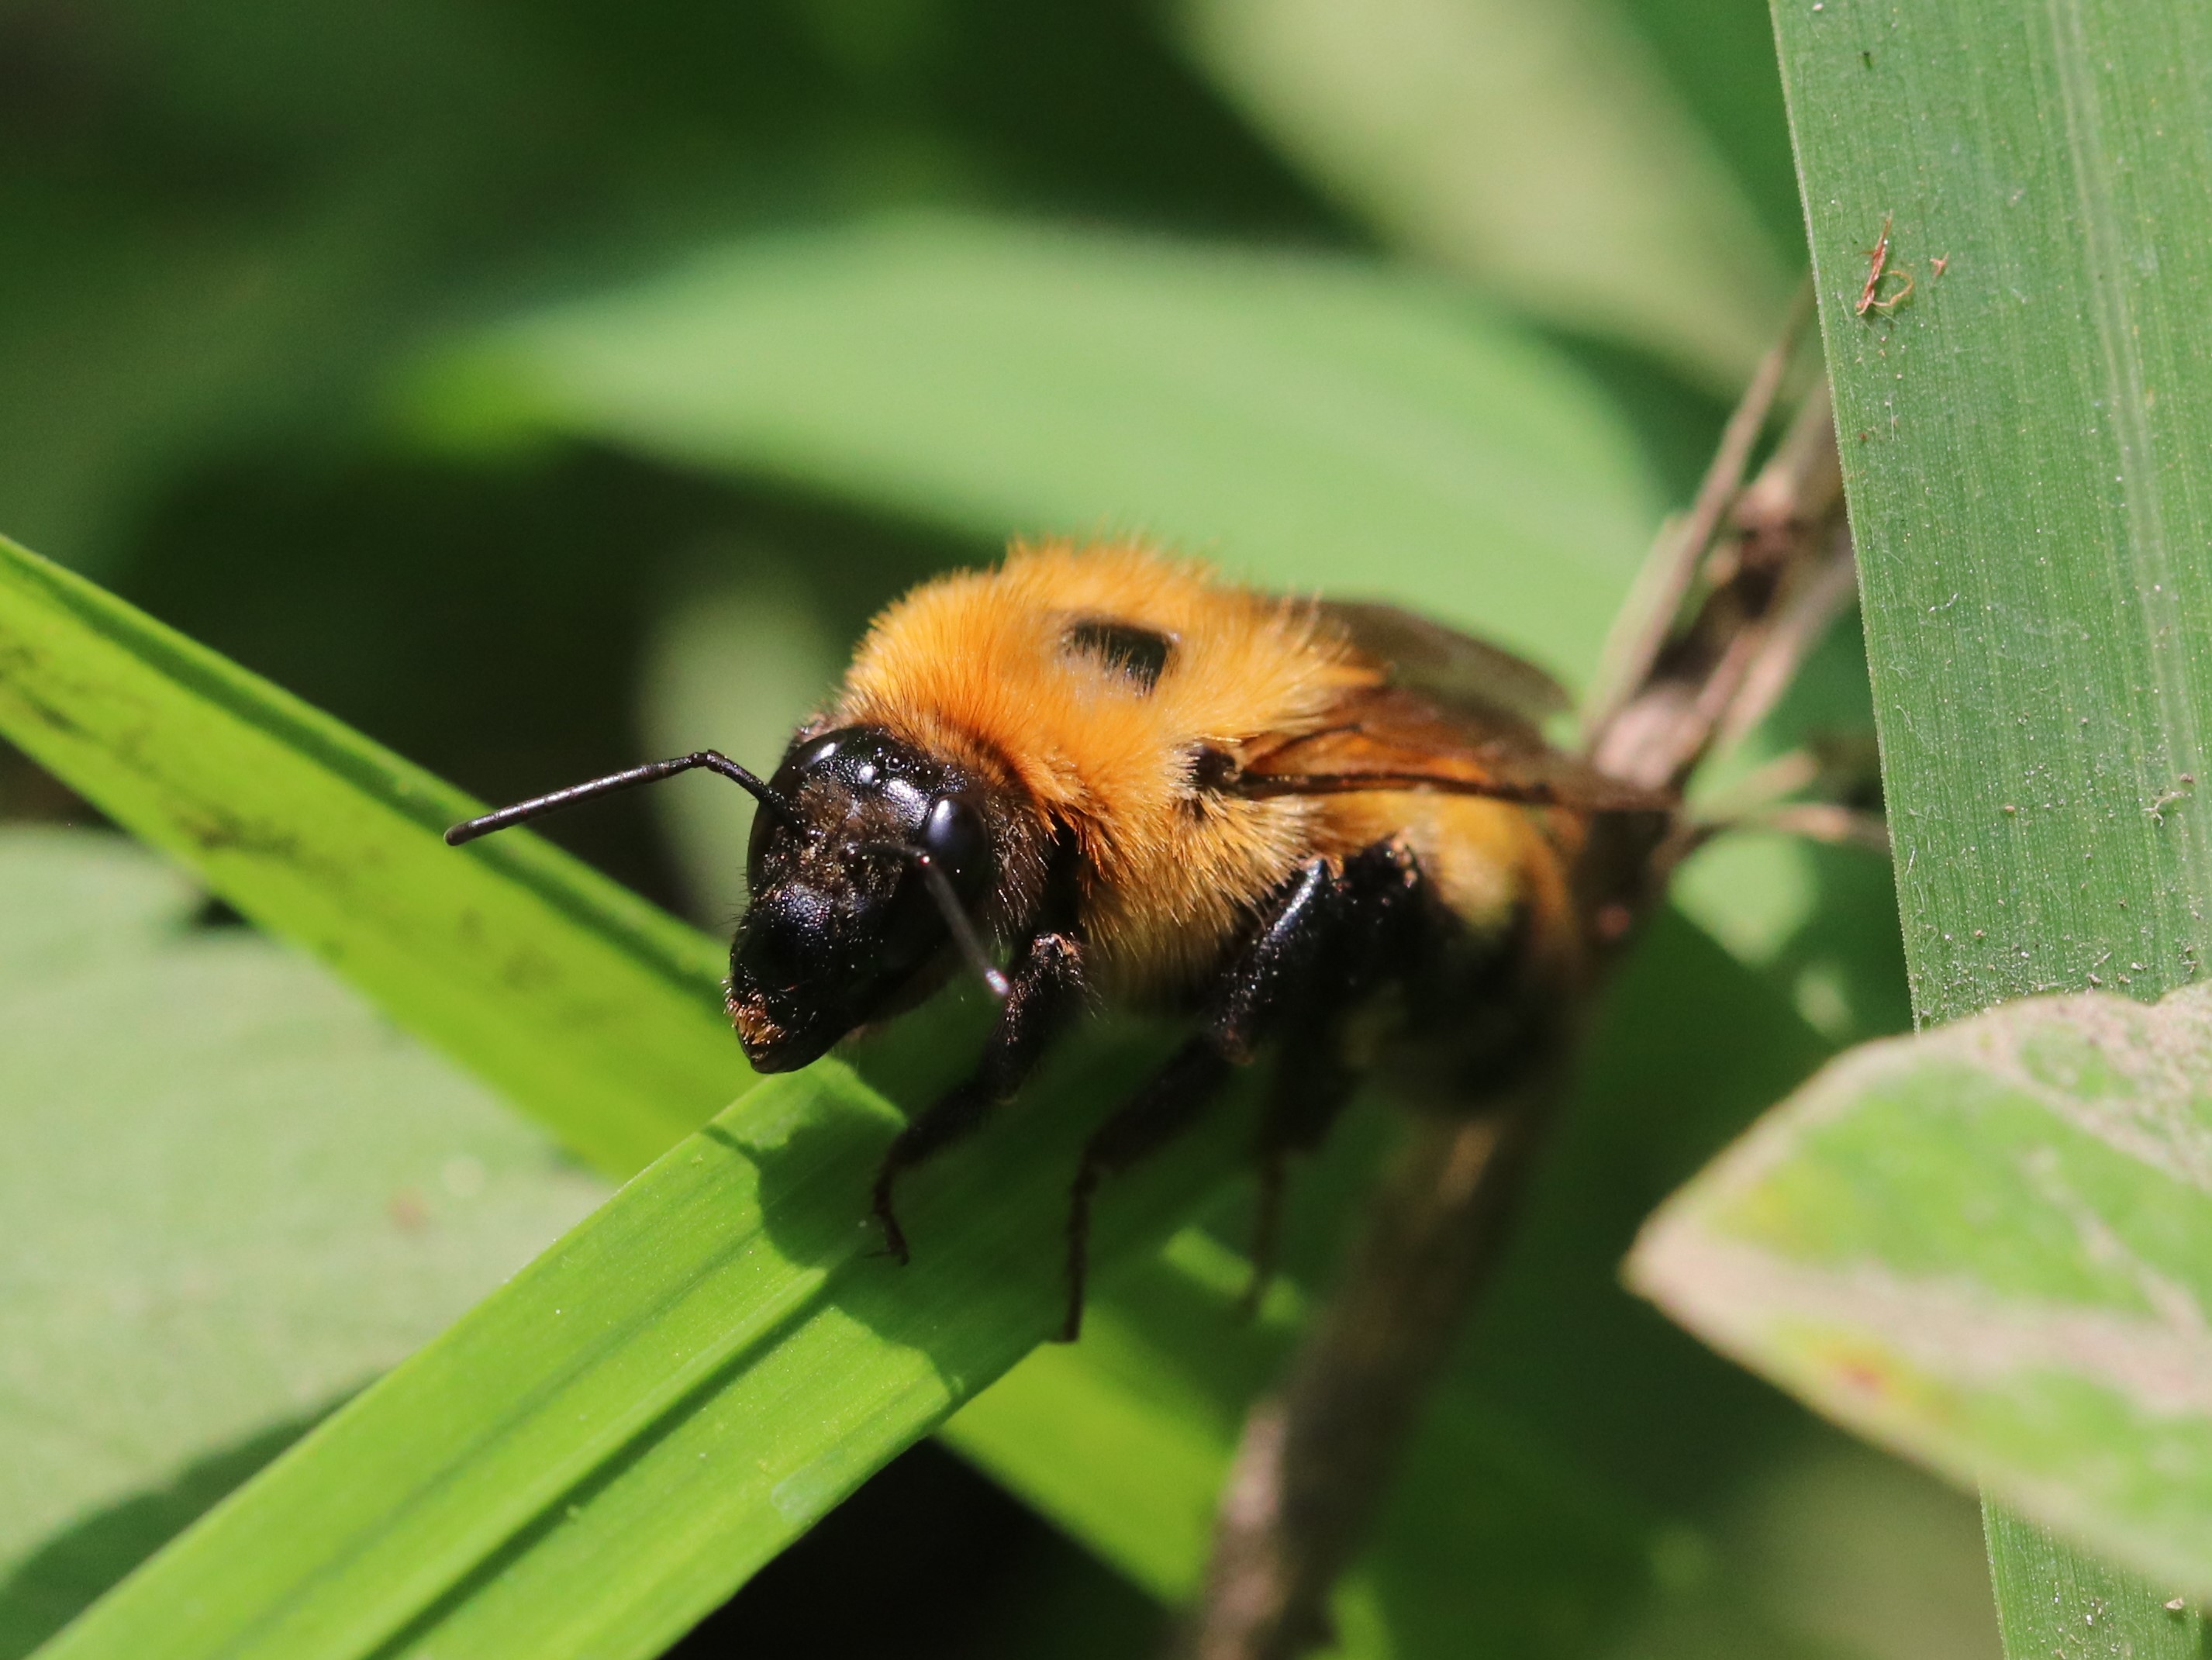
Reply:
x=1044, y=994
x=1167, y=1106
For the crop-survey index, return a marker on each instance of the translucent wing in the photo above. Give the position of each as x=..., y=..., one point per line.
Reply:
x=1454, y=715
x=1457, y=672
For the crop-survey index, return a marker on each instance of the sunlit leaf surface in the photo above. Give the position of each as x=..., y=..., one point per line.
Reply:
x=589, y=1008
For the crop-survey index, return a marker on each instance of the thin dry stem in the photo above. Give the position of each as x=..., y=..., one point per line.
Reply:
x=1825, y=595
x=1781, y=575
x=1655, y=601
x=1315, y=1457
x=1824, y=821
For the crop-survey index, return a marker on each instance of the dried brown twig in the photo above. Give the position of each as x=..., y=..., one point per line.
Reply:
x=1732, y=598
x=1315, y=1456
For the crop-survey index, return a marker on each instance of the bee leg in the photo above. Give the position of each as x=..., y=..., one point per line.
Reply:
x=1279, y=972
x=1047, y=991
x=1168, y=1104
x=1312, y=1082
x=1374, y=903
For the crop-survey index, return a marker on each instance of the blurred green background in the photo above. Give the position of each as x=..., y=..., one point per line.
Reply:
x=538, y=388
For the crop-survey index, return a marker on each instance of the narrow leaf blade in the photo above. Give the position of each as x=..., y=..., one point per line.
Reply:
x=589, y=1008
x=592, y=1458
x=2025, y=443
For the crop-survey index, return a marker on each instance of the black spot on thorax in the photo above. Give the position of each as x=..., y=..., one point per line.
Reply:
x=1138, y=655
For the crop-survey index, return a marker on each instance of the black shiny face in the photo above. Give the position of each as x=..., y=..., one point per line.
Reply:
x=843, y=926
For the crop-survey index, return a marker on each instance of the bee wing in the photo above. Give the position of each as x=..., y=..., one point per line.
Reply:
x=1390, y=738
x=1458, y=673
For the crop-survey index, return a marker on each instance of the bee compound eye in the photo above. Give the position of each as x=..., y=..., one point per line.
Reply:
x=953, y=837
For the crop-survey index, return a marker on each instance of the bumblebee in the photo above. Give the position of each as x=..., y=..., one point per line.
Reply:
x=1331, y=833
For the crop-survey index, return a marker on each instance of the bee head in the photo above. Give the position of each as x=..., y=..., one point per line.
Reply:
x=862, y=891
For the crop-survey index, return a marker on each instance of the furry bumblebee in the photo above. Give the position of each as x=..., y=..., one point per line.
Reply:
x=1331, y=831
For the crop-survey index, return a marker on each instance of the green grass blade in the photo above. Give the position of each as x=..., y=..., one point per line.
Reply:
x=1312, y=422
x=592, y=1009
x=2027, y=449
x=591, y=1459
x=2028, y=446
x=2053, y=1600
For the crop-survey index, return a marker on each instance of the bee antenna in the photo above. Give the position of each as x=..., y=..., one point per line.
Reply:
x=538, y=806
x=956, y=914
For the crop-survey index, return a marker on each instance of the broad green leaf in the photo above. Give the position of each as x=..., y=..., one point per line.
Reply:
x=588, y=1007
x=1991, y=1245
x=1309, y=422
x=592, y=1458
x=1541, y=149
x=2024, y=442
x=233, y=1196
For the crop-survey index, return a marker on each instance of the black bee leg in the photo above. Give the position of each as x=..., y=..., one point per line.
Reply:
x=1167, y=1106
x=1330, y=937
x=1283, y=963
x=1312, y=1085
x=1375, y=905
x=1047, y=991
x=1279, y=967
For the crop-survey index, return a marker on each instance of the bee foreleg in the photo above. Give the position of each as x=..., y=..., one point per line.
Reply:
x=1046, y=991
x=1320, y=943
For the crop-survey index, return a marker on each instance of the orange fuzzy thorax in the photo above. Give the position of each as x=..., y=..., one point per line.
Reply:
x=975, y=665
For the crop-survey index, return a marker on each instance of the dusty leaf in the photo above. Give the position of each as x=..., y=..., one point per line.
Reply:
x=1989, y=1247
